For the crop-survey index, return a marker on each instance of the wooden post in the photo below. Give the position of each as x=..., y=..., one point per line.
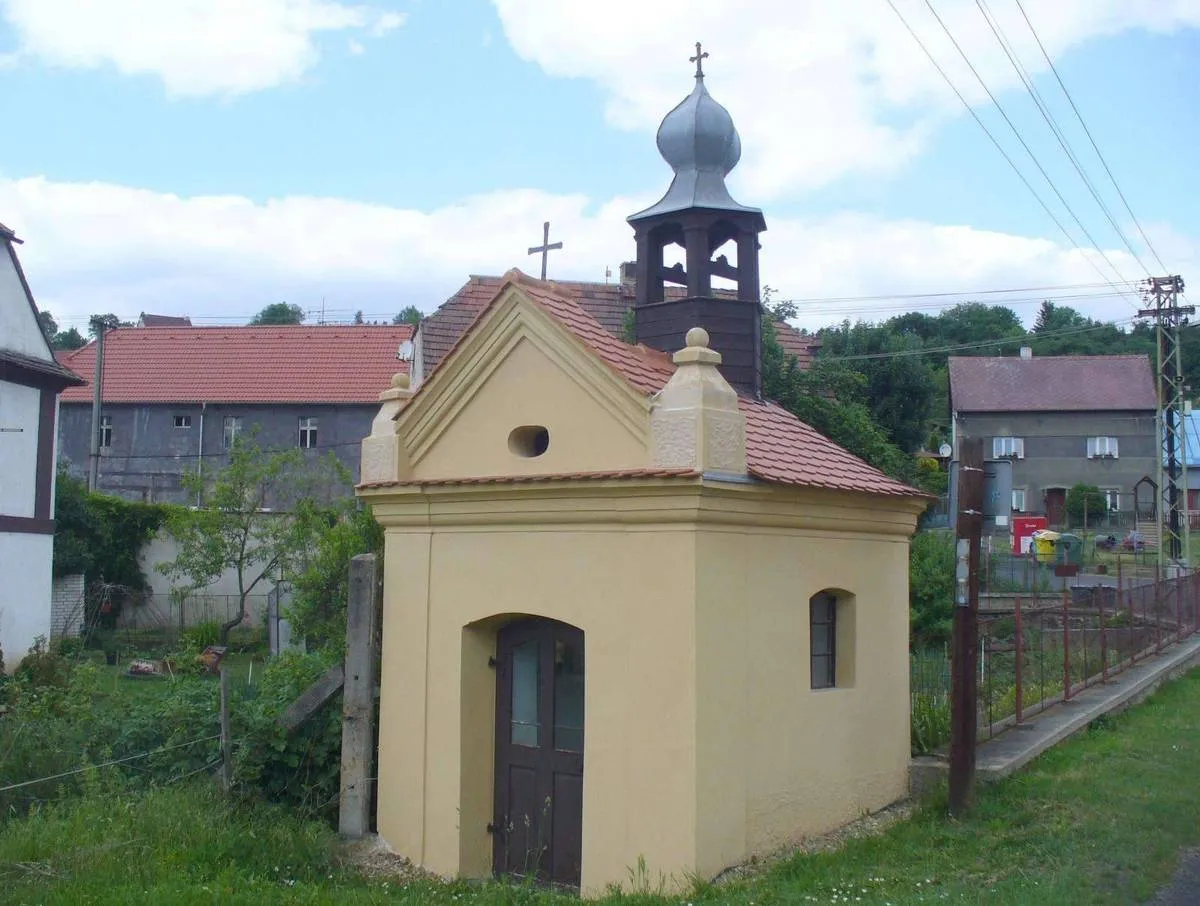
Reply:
x=358, y=695
x=964, y=677
x=226, y=742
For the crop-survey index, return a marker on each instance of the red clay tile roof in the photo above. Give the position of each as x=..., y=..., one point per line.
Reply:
x=796, y=343
x=1051, y=383
x=516, y=479
x=607, y=303
x=278, y=364
x=779, y=447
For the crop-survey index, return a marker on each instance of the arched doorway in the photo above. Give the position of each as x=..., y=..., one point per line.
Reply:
x=538, y=826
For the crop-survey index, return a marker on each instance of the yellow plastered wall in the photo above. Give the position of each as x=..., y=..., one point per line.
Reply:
x=524, y=371
x=630, y=588
x=776, y=759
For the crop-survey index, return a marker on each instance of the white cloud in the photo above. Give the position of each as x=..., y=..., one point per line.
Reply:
x=95, y=247
x=818, y=89
x=196, y=47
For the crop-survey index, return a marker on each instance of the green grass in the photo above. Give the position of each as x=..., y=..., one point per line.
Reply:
x=1099, y=819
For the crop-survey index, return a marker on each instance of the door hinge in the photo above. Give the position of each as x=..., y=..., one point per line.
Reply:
x=492, y=662
x=492, y=829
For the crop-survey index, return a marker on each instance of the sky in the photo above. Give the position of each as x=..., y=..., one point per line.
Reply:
x=210, y=157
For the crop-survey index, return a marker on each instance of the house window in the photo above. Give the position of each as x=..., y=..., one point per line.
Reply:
x=183, y=421
x=231, y=428
x=1112, y=498
x=822, y=629
x=1102, y=448
x=106, y=430
x=1008, y=448
x=308, y=432
x=1018, y=500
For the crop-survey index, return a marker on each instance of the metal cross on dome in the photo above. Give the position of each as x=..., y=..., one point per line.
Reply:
x=698, y=59
x=546, y=247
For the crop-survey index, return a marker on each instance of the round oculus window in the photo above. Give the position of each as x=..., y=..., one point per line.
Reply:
x=529, y=441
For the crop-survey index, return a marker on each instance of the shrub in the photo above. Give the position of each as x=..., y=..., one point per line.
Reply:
x=931, y=587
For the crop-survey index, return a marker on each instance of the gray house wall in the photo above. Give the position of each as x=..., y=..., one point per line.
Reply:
x=1056, y=449
x=149, y=456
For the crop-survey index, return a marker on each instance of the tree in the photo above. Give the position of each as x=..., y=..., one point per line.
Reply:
x=409, y=315
x=278, y=313
x=68, y=339
x=107, y=322
x=234, y=531
x=358, y=317
x=49, y=326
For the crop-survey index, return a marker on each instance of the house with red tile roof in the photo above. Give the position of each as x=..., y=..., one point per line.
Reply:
x=174, y=397
x=1062, y=420
x=609, y=303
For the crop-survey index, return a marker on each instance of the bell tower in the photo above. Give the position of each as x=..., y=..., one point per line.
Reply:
x=699, y=141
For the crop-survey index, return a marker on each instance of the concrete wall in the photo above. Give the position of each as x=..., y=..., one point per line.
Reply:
x=149, y=456
x=1056, y=449
x=19, y=419
x=24, y=593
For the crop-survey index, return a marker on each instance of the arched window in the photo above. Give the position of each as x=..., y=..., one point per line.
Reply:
x=822, y=634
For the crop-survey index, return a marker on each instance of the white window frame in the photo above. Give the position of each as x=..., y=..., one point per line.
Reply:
x=1008, y=448
x=106, y=430
x=306, y=437
x=231, y=427
x=1018, y=507
x=1102, y=447
x=182, y=421
x=1112, y=498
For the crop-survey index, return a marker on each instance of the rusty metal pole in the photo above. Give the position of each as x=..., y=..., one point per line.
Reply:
x=1019, y=657
x=1066, y=645
x=1103, y=638
x=1178, y=583
x=964, y=679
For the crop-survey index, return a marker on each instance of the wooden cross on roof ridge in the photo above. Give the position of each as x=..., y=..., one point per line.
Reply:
x=546, y=247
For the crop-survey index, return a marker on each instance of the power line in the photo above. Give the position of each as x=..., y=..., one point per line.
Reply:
x=1051, y=121
x=1024, y=144
x=962, y=292
x=1088, y=132
x=994, y=140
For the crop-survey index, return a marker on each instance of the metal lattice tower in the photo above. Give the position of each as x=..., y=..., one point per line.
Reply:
x=1162, y=295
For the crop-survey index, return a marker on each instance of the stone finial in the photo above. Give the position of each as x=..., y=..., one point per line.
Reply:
x=382, y=453
x=696, y=422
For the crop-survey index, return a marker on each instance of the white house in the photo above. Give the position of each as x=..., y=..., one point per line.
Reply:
x=30, y=380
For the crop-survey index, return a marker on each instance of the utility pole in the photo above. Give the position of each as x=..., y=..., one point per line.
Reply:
x=99, y=326
x=964, y=681
x=1162, y=294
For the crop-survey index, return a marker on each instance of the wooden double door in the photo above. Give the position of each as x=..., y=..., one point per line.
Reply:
x=538, y=825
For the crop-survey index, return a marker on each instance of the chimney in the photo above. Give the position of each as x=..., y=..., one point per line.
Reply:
x=628, y=273
x=1027, y=352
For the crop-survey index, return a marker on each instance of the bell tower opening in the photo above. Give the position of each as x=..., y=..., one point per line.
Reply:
x=714, y=283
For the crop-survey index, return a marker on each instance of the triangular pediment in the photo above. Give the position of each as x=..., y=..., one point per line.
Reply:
x=22, y=331
x=519, y=366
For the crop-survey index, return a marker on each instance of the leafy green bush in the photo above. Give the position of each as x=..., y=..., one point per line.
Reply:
x=302, y=769
x=931, y=587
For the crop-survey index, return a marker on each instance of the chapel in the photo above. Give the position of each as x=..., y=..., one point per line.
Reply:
x=639, y=623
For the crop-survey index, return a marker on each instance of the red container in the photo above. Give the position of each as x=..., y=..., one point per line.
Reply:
x=1023, y=528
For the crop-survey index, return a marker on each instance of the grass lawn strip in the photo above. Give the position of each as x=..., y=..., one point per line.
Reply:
x=1099, y=819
